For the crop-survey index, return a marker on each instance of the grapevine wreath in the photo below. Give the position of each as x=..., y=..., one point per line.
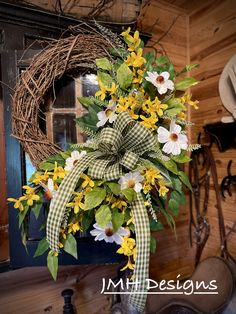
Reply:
x=128, y=170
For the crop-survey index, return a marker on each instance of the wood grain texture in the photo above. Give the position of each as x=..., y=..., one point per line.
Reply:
x=212, y=44
x=33, y=291
x=119, y=11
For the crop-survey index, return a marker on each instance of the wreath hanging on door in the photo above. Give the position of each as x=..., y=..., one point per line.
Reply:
x=127, y=173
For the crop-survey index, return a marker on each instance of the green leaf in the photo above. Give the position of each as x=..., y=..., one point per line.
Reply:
x=155, y=225
x=65, y=155
x=182, y=158
x=162, y=60
x=94, y=198
x=184, y=178
x=90, y=119
x=22, y=214
x=52, y=263
x=174, y=107
x=36, y=209
x=44, y=165
x=42, y=247
x=179, y=196
x=130, y=194
x=153, y=245
x=103, y=215
x=104, y=78
x=170, y=165
x=103, y=63
x=188, y=67
x=86, y=101
x=118, y=52
x=114, y=187
x=177, y=184
x=186, y=83
x=174, y=206
x=87, y=219
x=124, y=76
x=70, y=245
x=117, y=219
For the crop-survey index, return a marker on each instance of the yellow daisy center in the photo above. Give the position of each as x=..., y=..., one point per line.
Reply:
x=108, y=112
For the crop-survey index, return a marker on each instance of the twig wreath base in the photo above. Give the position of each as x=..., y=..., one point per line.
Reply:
x=64, y=56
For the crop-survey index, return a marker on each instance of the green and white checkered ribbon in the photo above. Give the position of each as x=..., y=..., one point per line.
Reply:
x=119, y=148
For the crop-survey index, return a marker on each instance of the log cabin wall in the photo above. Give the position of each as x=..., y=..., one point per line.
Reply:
x=212, y=42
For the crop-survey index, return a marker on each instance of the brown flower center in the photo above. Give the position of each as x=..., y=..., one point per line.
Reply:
x=131, y=183
x=174, y=137
x=108, y=232
x=108, y=112
x=160, y=79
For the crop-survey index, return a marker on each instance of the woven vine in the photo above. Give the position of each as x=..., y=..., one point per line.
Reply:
x=66, y=55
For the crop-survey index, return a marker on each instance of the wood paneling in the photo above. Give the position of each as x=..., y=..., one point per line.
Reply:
x=33, y=291
x=212, y=43
x=119, y=11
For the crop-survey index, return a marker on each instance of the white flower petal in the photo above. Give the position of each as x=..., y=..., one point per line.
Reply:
x=112, y=118
x=138, y=187
x=162, y=89
x=176, y=149
x=165, y=74
x=175, y=128
x=169, y=84
x=168, y=147
x=116, y=238
x=163, y=135
x=123, y=232
x=50, y=185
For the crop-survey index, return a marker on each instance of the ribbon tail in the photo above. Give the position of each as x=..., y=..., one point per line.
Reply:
x=57, y=208
x=141, y=271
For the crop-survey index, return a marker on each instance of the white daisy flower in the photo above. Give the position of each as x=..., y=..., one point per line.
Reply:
x=173, y=139
x=131, y=180
x=160, y=81
x=107, y=115
x=73, y=160
x=108, y=233
x=50, y=192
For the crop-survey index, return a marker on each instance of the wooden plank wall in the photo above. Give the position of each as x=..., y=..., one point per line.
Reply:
x=212, y=34
x=168, y=27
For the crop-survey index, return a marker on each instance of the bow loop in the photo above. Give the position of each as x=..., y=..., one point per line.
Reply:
x=110, y=141
x=129, y=160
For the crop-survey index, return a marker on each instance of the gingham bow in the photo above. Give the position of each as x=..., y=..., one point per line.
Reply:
x=118, y=148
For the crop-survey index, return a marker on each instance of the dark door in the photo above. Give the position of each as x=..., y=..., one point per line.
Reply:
x=19, y=39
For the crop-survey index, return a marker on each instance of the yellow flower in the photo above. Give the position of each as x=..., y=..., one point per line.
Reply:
x=39, y=177
x=133, y=114
x=146, y=187
x=63, y=234
x=73, y=227
x=17, y=202
x=88, y=182
x=30, y=198
x=127, y=246
x=28, y=189
x=135, y=60
x=138, y=76
x=113, y=88
x=162, y=189
x=150, y=122
x=60, y=245
x=58, y=172
x=182, y=115
x=151, y=175
x=77, y=204
x=129, y=265
x=186, y=100
x=130, y=221
x=118, y=203
x=132, y=41
x=53, y=253
x=102, y=92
